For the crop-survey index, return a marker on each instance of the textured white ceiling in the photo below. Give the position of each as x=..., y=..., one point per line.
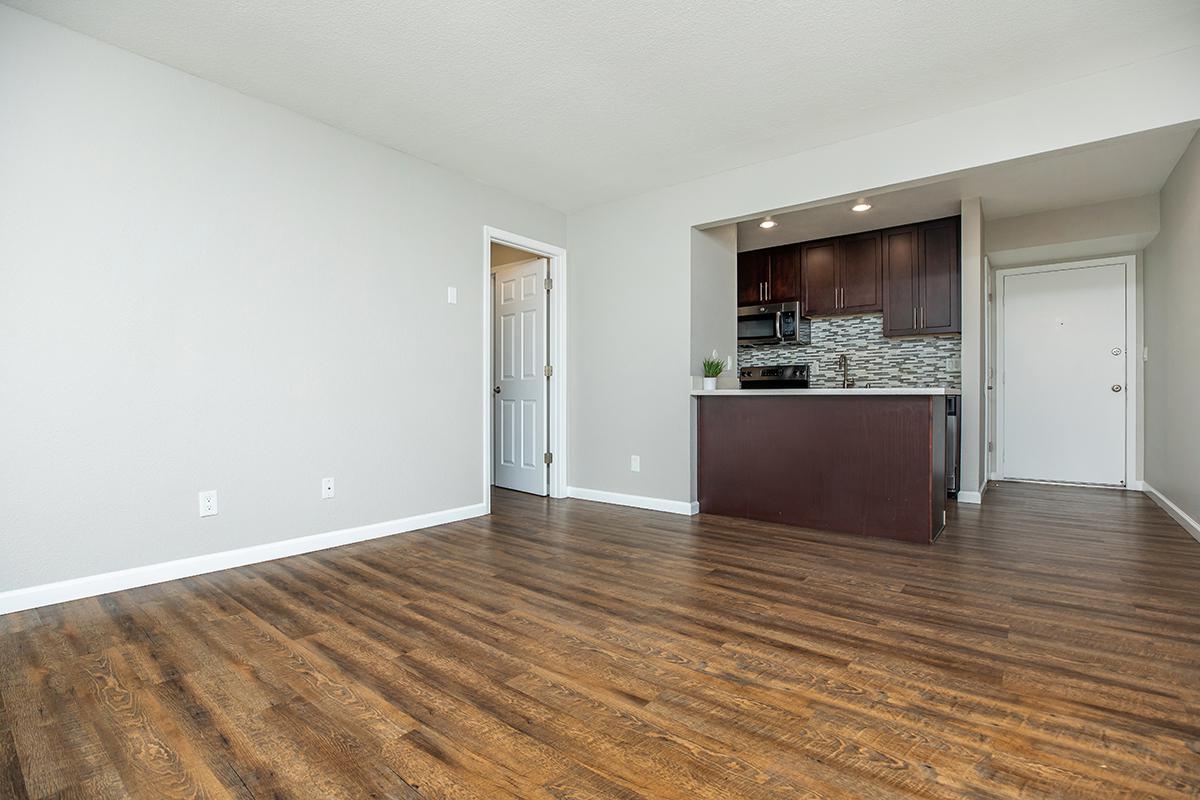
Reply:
x=574, y=103
x=1131, y=166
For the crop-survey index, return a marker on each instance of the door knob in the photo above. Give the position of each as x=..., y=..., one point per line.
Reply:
x=496, y=390
x=1116, y=351
x=1116, y=387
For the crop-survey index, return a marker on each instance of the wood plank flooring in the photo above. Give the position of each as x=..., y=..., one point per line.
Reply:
x=1047, y=646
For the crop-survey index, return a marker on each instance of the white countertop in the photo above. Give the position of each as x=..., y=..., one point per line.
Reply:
x=855, y=391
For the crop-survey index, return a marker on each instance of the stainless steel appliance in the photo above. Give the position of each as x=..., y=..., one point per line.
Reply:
x=783, y=376
x=774, y=323
x=952, y=445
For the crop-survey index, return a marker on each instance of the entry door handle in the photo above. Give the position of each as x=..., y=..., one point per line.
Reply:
x=1116, y=387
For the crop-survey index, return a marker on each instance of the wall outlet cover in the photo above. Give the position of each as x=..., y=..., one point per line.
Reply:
x=635, y=463
x=451, y=294
x=327, y=488
x=208, y=503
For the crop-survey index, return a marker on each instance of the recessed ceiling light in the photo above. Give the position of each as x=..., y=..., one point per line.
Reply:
x=861, y=206
x=768, y=223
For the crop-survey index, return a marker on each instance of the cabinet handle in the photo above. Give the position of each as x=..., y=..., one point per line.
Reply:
x=922, y=317
x=914, y=318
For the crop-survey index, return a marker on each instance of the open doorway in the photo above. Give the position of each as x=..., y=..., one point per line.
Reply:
x=524, y=347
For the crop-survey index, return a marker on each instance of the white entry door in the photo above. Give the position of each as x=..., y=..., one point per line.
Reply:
x=1063, y=374
x=519, y=359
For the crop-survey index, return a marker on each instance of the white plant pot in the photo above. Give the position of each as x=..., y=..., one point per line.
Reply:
x=710, y=384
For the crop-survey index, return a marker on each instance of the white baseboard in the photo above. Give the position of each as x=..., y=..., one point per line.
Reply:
x=974, y=498
x=92, y=585
x=635, y=501
x=1190, y=525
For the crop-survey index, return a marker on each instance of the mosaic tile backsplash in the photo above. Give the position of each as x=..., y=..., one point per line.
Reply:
x=875, y=359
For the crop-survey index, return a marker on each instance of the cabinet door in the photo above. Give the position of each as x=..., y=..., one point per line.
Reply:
x=785, y=274
x=818, y=270
x=940, y=267
x=753, y=275
x=901, y=281
x=860, y=274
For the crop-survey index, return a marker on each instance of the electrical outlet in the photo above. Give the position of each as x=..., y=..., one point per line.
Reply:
x=208, y=504
x=326, y=488
x=451, y=294
x=635, y=463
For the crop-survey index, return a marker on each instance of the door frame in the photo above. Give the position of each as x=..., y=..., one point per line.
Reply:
x=1133, y=355
x=556, y=339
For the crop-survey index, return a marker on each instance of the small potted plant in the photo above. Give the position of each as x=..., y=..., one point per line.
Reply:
x=713, y=367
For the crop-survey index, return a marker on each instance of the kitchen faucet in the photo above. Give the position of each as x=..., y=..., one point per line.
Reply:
x=844, y=366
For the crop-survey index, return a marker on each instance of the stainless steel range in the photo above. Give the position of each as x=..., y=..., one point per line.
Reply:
x=781, y=376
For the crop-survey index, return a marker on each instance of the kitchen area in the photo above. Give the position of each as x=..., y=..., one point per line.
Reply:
x=849, y=374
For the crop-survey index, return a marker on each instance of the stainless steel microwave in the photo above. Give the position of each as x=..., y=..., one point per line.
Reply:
x=775, y=323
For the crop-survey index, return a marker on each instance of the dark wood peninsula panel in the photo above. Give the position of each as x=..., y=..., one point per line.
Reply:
x=868, y=464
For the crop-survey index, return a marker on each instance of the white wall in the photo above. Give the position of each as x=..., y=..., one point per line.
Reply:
x=1115, y=228
x=713, y=291
x=631, y=333
x=1073, y=234
x=204, y=291
x=1172, y=281
x=973, y=439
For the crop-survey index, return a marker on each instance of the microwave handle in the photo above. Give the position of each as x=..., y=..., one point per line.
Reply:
x=778, y=325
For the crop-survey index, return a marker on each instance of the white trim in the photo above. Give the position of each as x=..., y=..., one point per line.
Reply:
x=635, y=501
x=1133, y=336
x=556, y=317
x=973, y=498
x=92, y=585
x=1178, y=514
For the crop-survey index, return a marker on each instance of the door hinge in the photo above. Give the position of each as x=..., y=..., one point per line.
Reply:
x=989, y=447
x=549, y=283
x=548, y=458
x=547, y=370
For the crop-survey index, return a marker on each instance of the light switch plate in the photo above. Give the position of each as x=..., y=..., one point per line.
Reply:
x=635, y=463
x=451, y=294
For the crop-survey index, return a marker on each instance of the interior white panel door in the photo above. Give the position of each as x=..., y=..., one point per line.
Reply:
x=1063, y=372
x=519, y=359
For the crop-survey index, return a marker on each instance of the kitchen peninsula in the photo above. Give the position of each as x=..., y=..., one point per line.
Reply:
x=863, y=461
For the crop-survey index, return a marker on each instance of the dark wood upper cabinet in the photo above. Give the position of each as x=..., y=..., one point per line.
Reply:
x=900, y=281
x=941, y=271
x=922, y=275
x=769, y=276
x=785, y=274
x=912, y=273
x=753, y=274
x=841, y=276
x=819, y=272
x=860, y=274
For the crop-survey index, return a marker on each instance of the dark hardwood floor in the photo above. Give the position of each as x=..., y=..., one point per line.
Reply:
x=1047, y=646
